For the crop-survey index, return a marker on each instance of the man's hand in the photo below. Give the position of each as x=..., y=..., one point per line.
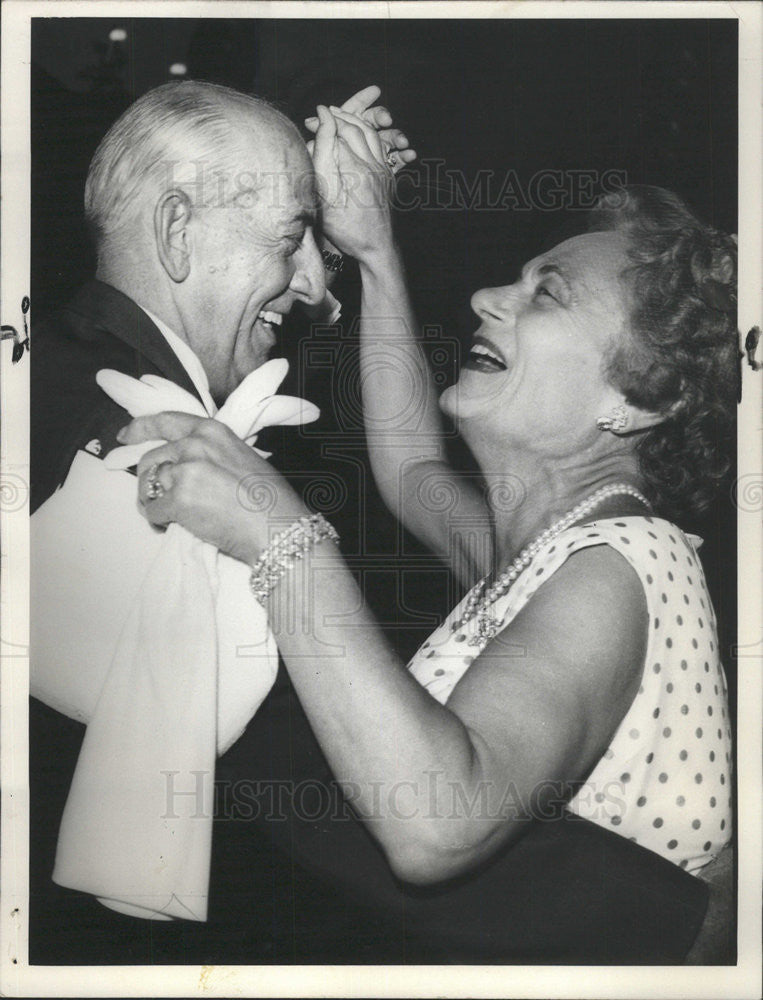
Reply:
x=394, y=143
x=354, y=184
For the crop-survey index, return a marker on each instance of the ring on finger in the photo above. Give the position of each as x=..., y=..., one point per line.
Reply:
x=154, y=489
x=391, y=158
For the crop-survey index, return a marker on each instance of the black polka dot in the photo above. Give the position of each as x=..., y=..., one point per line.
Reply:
x=669, y=687
x=649, y=578
x=625, y=540
x=684, y=665
x=439, y=673
x=599, y=796
x=652, y=553
x=700, y=623
x=552, y=549
x=723, y=824
x=460, y=637
x=667, y=731
x=616, y=821
x=670, y=576
x=707, y=667
x=712, y=647
x=672, y=539
x=431, y=653
x=625, y=778
x=686, y=599
x=706, y=846
x=663, y=778
x=641, y=800
x=664, y=598
x=679, y=620
x=657, y=823
x=672, y=844
x=656, y=713
x=698, y=732
x=652, y=535
x=695, y=644
x=426, y=644
x=709, y=709
x=698, y=778
x=683, y=755
x=691, y=583
x=656, y=668
x=698, y=687
x=695, y=824
x=723, y=779
x=649, y=758
x=712, y=756
x=683, y=863
x=712, y=802
x=656, y=622
x=669, y=642
x=680, y=800
x=684, y=709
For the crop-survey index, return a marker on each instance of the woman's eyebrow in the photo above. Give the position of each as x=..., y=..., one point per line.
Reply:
x=549, y=267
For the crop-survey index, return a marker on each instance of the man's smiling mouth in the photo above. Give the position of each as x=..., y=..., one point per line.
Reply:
x=270, y=319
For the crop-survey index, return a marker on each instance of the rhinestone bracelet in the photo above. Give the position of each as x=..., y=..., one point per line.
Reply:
x=284, y=551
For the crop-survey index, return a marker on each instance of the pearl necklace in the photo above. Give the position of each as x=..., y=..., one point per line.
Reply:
x=480, y=599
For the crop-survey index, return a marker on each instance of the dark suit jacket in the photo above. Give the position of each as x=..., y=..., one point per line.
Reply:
x=295, y=877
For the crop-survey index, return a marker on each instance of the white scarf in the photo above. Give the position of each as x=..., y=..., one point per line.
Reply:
x=176, y=658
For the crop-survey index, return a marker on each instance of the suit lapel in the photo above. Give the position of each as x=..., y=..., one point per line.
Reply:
x=109, y=309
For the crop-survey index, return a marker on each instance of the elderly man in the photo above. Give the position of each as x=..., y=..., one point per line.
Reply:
x=202, y=205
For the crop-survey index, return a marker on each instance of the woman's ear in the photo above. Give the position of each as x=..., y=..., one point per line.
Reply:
x=171, y=217
x=624, y=418
x=643, y=420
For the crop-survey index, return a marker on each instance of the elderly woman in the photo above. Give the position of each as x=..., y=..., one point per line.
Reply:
x=582, y=667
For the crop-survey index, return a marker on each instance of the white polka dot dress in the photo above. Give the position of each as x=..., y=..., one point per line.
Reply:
x=664, y=780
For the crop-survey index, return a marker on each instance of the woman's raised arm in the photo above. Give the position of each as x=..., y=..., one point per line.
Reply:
x=404, y=427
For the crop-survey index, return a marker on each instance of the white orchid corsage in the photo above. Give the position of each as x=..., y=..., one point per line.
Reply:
x=249, y=408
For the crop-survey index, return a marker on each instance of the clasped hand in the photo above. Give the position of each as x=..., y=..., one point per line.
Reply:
x=355, y=159
x=211, y=483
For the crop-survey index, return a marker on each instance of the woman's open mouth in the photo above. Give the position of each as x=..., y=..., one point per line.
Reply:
x=483, y=357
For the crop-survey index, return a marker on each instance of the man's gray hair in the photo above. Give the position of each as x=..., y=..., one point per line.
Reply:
x=184, y=133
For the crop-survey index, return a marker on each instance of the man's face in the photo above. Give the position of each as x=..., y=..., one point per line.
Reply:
x=253, y=254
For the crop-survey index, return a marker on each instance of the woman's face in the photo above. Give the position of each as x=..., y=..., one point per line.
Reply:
x=535, y=372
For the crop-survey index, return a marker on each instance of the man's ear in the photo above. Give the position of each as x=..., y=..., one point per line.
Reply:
x=171, y=217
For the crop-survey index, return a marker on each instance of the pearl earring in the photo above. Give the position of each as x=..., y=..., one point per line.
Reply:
x=617, y=421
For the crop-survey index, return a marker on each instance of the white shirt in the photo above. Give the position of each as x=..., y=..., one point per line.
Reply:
x=187, y=359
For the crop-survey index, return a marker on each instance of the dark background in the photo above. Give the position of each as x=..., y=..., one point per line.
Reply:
x=655, y=101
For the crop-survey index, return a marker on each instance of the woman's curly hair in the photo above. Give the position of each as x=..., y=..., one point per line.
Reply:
x=682, y=356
